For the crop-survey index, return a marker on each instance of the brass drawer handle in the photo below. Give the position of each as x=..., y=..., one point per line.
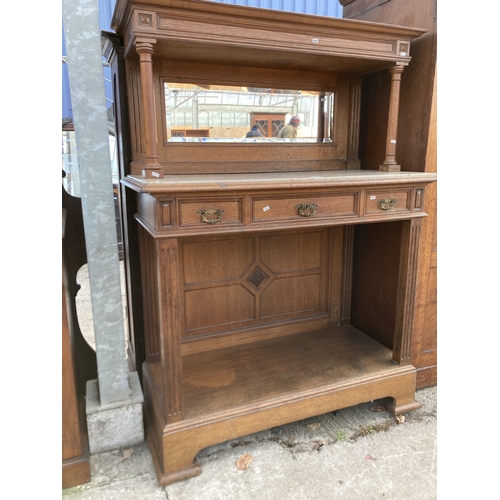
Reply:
x=387, y=204
x=306, y=209
x=211, y=216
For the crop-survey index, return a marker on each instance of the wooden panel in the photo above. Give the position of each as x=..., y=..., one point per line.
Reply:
x=297, y=295
x=226, y=306
x=375, y=280
x=267, y=36
x=425, y=331
x=166, y=214
x=146, y=206
x=407, y=281
x=429, y=341
x=200, y=158
x=169, y=299
x=75, y=450
x=71, y=425
x=277, y=208
x=232, y=283
x=216, y=260
x=292, y=252
x=177, y=71
x=75, y=453
x=150, y=296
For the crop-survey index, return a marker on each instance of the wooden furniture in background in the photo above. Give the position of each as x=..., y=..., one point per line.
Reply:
x=270, y=124
x=189, y=132
x=416, y=149
x=277, y=279
x=75, y=450
x=79, y=362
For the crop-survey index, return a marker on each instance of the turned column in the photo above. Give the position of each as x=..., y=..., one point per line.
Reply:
x=144, y=47
x=390, y=164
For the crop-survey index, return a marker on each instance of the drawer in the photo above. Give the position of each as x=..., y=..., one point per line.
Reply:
x=380, y=202
x=312, y=206
x=210, y=212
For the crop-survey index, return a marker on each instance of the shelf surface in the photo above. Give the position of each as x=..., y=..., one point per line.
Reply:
x=276, y=180
x=249, y=377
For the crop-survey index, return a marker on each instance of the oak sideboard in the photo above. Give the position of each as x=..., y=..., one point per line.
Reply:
x=270, y=279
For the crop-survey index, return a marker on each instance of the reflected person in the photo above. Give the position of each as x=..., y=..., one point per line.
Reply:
x=255, y=132
x=289, y=131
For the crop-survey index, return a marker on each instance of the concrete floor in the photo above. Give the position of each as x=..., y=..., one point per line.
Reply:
x=353, y=454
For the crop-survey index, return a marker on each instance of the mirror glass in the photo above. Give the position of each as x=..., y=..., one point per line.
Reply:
x=221, y=113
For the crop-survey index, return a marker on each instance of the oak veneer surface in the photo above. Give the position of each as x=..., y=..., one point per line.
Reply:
x=191, y=30
x=278, y=369
x=374, y=283
x=202, y=385
x=235, y=45
x=71, y=428
x=75, y=453
x=275, y=180
x=253, y=280
x=416, y=147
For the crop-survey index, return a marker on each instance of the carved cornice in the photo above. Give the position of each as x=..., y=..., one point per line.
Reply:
x=194, y=22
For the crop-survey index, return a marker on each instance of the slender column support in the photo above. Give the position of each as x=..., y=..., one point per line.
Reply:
x=353, y=162
x=170, y=330
x=390, y=164
x=144, y=47
x=403, y=331
x=347, y=252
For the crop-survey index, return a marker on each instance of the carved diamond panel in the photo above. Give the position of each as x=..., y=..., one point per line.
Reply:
x=257, y=277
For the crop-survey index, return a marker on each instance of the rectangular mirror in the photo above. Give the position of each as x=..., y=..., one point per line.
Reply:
x=222, y=113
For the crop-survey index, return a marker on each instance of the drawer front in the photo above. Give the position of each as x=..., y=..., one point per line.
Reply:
x=305, y=207
x=210, y=212
x=386, y=202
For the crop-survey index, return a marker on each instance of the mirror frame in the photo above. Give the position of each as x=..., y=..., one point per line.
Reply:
x=320, y=110
x=201, y=158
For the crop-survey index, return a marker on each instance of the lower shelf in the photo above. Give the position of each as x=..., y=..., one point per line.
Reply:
x=229, y=393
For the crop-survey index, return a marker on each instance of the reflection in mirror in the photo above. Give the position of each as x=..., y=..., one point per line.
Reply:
x=221, y=113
